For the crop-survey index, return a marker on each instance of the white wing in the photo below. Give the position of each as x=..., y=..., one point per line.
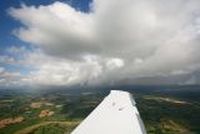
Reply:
x=116, y=114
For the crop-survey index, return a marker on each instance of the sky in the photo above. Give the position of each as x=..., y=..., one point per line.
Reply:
x=46, y=43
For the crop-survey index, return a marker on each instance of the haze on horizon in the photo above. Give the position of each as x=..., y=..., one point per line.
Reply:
x=129, y=42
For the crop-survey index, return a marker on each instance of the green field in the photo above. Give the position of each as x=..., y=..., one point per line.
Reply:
x=174, y=111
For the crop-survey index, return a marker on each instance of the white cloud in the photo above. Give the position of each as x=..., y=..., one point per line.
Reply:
x=114, y=63
x=67, y=72
x=47, y=70
x=115, y=40
x=1, y=69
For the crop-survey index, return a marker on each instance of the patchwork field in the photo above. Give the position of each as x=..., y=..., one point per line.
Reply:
x=164, y=111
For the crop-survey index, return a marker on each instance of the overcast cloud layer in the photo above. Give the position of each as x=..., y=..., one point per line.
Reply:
x=132, y=41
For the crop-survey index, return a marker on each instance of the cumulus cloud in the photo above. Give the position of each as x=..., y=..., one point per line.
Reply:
x=116, y=40
x=46, y=70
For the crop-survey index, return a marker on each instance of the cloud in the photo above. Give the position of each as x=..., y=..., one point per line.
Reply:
x=10, y=79
x=58, y=28
x=55, y=71
x=116, y=40
x=1, y=69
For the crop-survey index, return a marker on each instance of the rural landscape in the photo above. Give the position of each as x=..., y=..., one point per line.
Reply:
x=164, y=109
x=59, y=59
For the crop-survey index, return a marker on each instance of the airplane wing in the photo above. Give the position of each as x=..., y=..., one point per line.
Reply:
x=116, y=114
